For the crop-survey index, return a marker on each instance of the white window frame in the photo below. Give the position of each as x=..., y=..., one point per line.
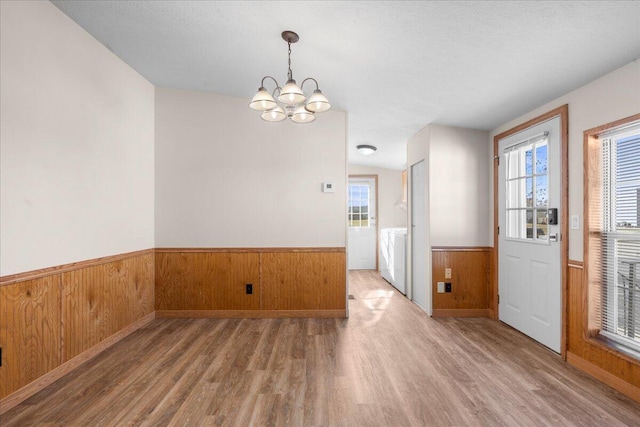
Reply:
x=522, y=147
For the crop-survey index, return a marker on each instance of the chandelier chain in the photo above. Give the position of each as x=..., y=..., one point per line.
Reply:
x=289, y=74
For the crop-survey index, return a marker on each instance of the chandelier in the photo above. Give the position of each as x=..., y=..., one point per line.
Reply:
x=291, y=98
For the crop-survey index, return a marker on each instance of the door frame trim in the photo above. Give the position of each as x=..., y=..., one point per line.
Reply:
x=563, y=113
x=375, y=179
x=411, y=238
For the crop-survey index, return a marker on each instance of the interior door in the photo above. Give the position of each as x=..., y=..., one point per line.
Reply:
x=529, y=201
x=362, y=245
x=420, y=294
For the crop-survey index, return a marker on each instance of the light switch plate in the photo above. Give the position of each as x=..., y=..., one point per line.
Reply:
x=575, y=222
x=441, y=287
x=447, y=273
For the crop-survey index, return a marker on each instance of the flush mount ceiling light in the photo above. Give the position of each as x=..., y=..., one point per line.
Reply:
x=366, y=149
x=291, y=98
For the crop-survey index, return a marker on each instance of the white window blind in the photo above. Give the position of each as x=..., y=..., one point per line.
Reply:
x=620, y=311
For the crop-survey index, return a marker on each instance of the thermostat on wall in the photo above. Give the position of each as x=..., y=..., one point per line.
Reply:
x=327, y=187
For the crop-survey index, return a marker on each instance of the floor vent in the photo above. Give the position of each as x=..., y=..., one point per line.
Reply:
x=351, y=297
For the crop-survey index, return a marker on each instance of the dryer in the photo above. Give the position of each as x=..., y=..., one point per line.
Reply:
x=393, y=248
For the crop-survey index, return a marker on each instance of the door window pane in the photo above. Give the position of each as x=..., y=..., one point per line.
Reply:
x=358, y=205
x=542, y=191
x=542, y=228
x=541, y=159
x=528, y=162
x=517, y=224
x=515, y=194
x=527, y=192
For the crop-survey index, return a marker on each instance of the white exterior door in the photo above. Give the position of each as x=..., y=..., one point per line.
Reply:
x=529, y=277
x=362, y=244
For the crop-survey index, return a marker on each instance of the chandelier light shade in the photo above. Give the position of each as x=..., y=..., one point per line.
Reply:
x=274, y=115
x=290, y=99
x=302, y=115
x=366, y=150
x=318, y=103
x=291, y=94
x=262, y=101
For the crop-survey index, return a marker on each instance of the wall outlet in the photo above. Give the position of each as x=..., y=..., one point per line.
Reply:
x=249, y=288
x=327, y=187
x=441, y=287
x=447, y=287
x=447, y=273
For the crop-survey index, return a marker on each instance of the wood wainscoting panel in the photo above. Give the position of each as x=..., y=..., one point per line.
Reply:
x=68, y=313
x=207, y=280
x=576, y=308
x=616, y=369
x=303, y=281
x=100, y=300
x=470, y=270
x=29, y=331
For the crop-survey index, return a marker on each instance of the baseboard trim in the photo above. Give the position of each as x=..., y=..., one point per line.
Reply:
x=248, y=314
x=253, y=250
x=461, y=249
x=606, y=377
x=461, y=312
x=52, y=376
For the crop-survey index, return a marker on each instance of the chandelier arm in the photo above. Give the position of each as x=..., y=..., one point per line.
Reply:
x=310, y=78
x=269, y=77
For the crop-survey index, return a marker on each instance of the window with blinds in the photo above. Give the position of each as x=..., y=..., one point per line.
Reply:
x=620, y=263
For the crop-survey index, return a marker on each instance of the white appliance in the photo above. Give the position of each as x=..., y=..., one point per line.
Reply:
x=393, y=247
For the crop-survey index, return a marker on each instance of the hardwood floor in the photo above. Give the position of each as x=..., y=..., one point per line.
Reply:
x=387, y=365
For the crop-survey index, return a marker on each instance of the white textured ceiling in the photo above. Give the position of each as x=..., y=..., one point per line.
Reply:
x=394, y=66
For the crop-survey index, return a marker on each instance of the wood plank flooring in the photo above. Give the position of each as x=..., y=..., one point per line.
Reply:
x=387, y=365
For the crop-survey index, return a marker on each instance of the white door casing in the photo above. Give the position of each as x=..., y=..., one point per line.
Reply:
x=362, y=244
x=529, y=273
x=420, y=287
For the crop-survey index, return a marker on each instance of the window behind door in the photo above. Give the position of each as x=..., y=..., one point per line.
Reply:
x=359, y=204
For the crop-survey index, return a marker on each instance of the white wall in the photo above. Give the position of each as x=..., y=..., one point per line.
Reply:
x=459, y=187
x=612, y=97
x=225, y=178
x=418, y=150
x=76, y=144
x=389, y=194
